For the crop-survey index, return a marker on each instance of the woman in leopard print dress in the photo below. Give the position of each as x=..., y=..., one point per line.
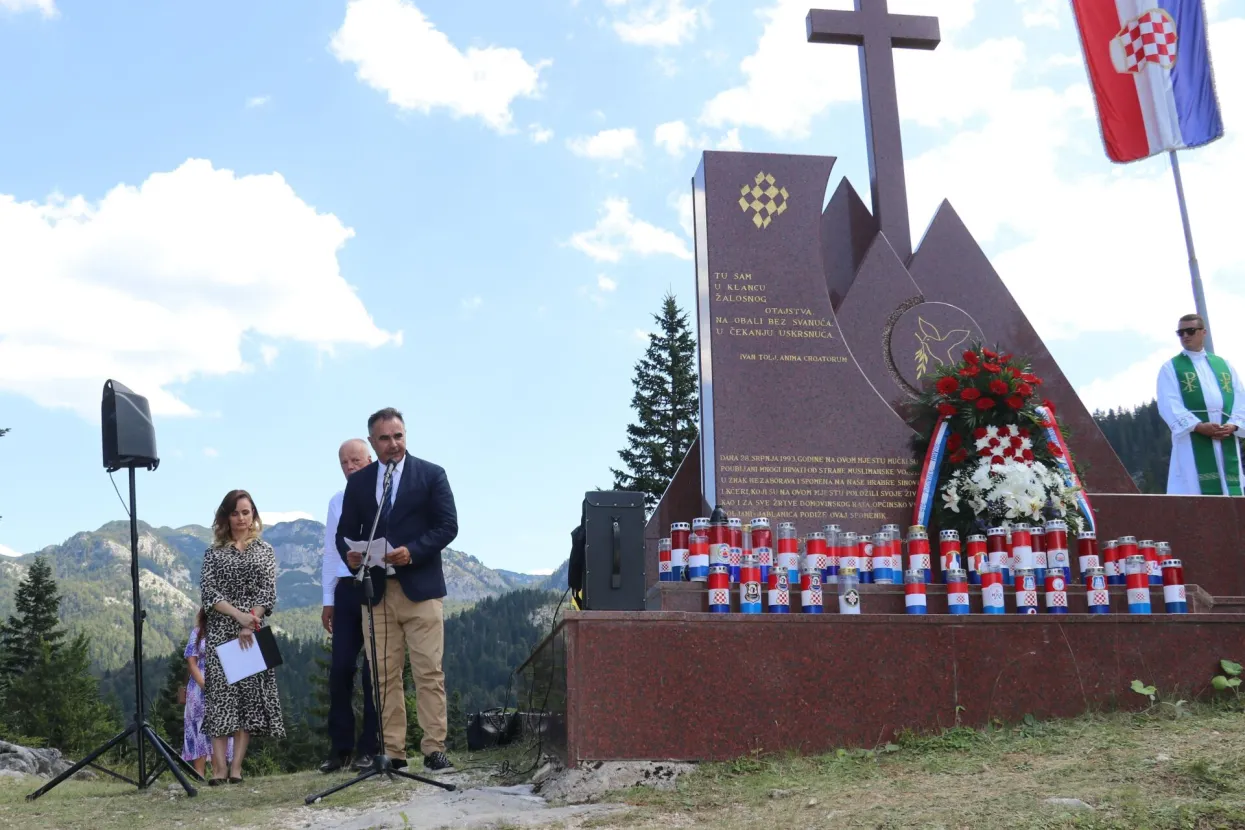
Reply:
x=239, y=585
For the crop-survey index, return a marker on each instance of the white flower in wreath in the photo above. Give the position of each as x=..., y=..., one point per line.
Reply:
x=992, y=432
x=982, y=443
x=951, y=499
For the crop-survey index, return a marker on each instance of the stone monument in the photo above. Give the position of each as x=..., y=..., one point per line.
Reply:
x=816, y=328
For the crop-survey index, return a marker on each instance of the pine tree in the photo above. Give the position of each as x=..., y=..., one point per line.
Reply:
x=168, y=716
x=35, y=625
x=666, y=402
x=457, y=733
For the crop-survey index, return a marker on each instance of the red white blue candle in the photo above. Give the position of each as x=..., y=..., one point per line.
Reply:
x=1026, y=592
x=1038, y=540
x=919, y=551
x=996, y=548
x=976, y=555
x=1097, y=594
x=735, y=537
x=664, y=572
x=750, y=585
x=950, y=555
x=778, y=593
x=914, y=591
x=763, y=546
x=1057, y=548
x=789, y=552
x=1022, y=549
x=1148, y=549
x=815, y=553
x=1056, y=593
x=811, y=600
x=884, y=568
x=992, y=589
x=680, y=539
x=698, y=553
x=719, y=589
x=1137, y=582
x=849, y=556
x=1174, y=599
x=833, y=552
x=864, y=555
x=1112, y=565
x=957, y=591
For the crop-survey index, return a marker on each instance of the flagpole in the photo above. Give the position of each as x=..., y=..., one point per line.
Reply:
x=1199, y=297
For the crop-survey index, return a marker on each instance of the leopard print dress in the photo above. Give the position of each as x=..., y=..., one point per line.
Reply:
x=246, y=579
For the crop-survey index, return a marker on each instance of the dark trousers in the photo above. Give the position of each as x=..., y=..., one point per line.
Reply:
x=348, y=625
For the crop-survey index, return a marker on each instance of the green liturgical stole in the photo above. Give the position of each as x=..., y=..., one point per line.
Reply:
x=1204, y=447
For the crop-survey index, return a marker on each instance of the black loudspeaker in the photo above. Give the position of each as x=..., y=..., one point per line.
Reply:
x=613, y=523
x=129, y=436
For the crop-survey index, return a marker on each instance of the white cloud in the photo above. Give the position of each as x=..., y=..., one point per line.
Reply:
x=1105, y=240
x=539, y=134
x=731, y=141
x=268, y=353
x=257, y=101
x=541, y=572
x=606, y=284
x=398, y=51
x=789, y=81
x=158, y=284
x=211, y=452
x=276, y=517
x=682, y=203
x=673, y=137
x=640, y=335
x=5, y=550
x=473, y=303
x=660, y=23
x=616, y=144
x=47, y=8
x=1062, y=59
x=1041, y=12
x=617, y=232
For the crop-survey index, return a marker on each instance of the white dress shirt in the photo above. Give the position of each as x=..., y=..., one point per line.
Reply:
x=393, y=487
x=333, y=567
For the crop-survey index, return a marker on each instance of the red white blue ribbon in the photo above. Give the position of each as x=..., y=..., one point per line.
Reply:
x=927, y=484
x=1054, y=436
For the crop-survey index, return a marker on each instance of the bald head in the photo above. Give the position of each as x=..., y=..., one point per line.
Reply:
x=353, y=455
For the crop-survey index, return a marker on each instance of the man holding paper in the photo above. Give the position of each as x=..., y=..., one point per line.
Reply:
x=417, y=520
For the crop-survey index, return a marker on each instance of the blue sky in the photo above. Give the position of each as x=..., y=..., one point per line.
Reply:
x=274, y=218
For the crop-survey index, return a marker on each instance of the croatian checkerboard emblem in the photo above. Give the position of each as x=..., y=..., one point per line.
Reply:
x=1150, y=38
x=764, y=198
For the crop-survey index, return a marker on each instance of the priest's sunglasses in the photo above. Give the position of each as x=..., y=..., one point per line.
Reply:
x=1187, y=332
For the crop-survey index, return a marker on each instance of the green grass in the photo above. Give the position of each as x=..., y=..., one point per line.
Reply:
x=1180, y=769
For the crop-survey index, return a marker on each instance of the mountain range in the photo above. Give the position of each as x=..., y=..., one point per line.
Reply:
x=92, y=571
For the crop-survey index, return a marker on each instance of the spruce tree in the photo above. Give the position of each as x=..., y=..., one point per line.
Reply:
x=456, y=737
x=168, y=716
x=34, y=626
x=666, y=402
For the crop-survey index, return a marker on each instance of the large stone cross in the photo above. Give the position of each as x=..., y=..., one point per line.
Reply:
x=876, y=31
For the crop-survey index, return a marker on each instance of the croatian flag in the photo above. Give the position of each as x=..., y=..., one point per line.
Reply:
x=1149, y=65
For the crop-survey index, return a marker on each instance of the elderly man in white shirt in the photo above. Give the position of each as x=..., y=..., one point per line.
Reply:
x=343, y=620
x=1201, y=398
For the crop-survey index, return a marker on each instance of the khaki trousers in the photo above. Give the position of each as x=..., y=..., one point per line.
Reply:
x=420, y=626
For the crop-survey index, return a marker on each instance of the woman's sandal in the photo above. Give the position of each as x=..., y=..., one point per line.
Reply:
x=216, y=782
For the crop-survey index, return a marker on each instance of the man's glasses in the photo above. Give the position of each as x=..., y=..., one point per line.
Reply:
x=1187, y=332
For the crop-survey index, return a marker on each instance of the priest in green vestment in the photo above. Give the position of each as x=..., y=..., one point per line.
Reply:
x=1201, y=398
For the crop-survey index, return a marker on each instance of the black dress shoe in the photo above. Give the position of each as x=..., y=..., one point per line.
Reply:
x=437, y=762
x=361, y=763
x=334, y=764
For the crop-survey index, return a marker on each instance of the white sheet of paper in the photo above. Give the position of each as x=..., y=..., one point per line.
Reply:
x=239, y=663
x=373, y=556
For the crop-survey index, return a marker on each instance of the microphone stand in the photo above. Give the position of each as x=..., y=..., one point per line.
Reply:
x=381, y=763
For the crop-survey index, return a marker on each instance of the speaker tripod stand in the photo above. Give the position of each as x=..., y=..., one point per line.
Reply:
x=139, y=728
x=382, y=764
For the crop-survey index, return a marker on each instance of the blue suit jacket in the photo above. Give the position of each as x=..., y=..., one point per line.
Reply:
x=423, y=519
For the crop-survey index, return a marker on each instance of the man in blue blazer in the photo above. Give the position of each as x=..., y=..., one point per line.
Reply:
x=419, y=520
